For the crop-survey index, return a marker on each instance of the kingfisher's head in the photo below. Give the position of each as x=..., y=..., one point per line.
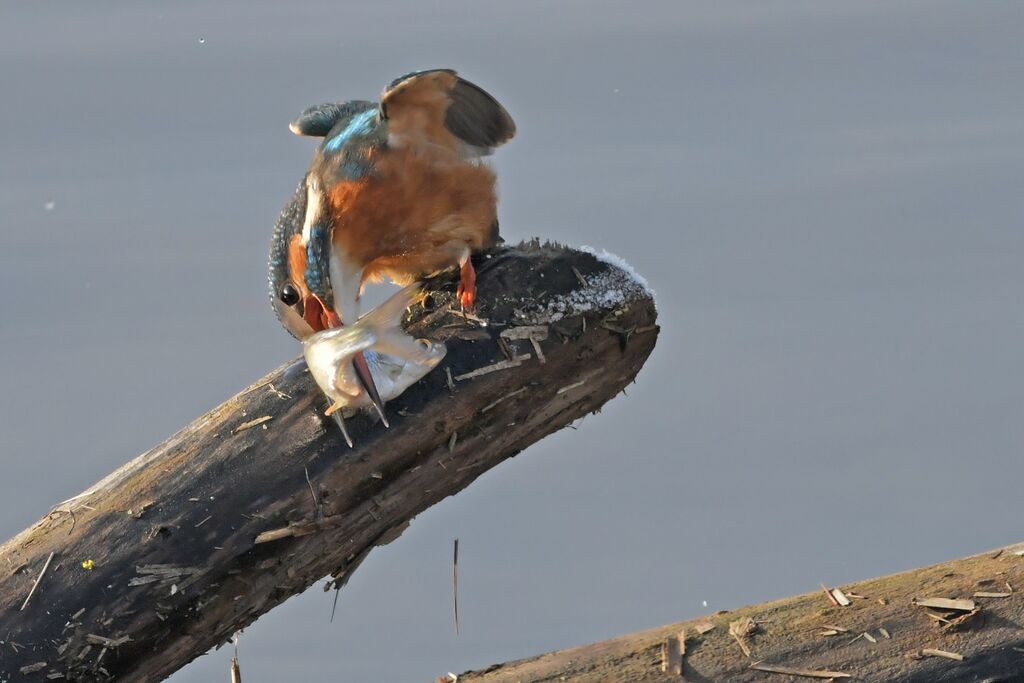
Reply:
x=298, y=274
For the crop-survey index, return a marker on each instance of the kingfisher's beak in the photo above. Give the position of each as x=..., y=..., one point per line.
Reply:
x=320, y=317
x=315, y=313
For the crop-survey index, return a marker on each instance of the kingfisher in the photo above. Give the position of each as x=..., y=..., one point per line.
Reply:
x=397, y=189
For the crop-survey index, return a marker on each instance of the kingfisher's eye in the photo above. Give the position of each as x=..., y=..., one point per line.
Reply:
x=289, y=295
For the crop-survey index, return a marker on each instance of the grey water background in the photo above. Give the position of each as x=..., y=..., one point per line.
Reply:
x=827, y=197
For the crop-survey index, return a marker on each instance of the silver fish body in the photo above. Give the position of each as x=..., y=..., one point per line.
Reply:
x=396, y=359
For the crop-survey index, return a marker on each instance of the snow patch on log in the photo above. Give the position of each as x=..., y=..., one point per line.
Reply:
x=608, y=290
x=616, y=261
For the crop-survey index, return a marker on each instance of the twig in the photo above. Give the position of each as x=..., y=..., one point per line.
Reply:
x=316, y=503
x=579, y=276
x=236, y=671
x=538, y=351
x=275, y=535
x=538, y=332
x=36, y=584
x=83, y=494
x=806, y=673
x=931, y=652
x=252, y=423
x=455, y=584
x=467, y=316
x=583, y=379
x=166, y=570
x=334, y=607
x=495, y=367
x=281, y=395
x=740, y=629
x=94, y=639
x=69, y=511
x=495, y=402
x=505, y=349
x=570, y=387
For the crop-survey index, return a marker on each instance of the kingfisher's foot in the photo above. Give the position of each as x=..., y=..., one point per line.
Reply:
x=467, y=284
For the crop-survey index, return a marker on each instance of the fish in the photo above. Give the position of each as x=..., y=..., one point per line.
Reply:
x=396, y=359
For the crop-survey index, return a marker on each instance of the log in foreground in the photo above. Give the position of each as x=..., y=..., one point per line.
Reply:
x=258, y=499
x=956, y=621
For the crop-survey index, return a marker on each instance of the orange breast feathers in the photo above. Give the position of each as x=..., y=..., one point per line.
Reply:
x=417, y=212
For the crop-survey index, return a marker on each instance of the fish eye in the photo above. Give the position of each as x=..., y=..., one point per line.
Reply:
x=289, y=295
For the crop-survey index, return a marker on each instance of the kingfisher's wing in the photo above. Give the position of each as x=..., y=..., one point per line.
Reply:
x=317, y=121
x=420, y=102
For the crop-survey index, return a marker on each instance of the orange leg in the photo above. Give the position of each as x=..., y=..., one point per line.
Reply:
x=467, y=284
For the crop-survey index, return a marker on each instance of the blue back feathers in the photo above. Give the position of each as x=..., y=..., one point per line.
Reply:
x=318, y=254
x=348, y=144
x=360, y=124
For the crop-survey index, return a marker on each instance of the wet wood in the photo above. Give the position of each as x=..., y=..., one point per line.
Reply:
x=790, y=639
x=256, y=500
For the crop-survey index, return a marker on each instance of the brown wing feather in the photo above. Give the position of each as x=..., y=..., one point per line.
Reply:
x=476, y=117
x=438, y=104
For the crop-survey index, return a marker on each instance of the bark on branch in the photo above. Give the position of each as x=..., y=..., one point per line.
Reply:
x=880, y=631
x=256, y=500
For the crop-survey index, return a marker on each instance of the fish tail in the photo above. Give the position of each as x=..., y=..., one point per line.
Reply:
x=388, y=316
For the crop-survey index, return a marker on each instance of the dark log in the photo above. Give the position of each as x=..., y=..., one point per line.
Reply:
x=905, y=641
x=258, y=499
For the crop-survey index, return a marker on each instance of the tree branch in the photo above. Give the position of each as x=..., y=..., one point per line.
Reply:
x=258, y=499
x=885, y=634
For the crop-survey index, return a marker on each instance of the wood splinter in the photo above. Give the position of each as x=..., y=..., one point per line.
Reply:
x=252, y=423
x=494, y=367
x=35, y=585
x=805, y=673
x=946, y=604
x=455, y=584
x=672, y=652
